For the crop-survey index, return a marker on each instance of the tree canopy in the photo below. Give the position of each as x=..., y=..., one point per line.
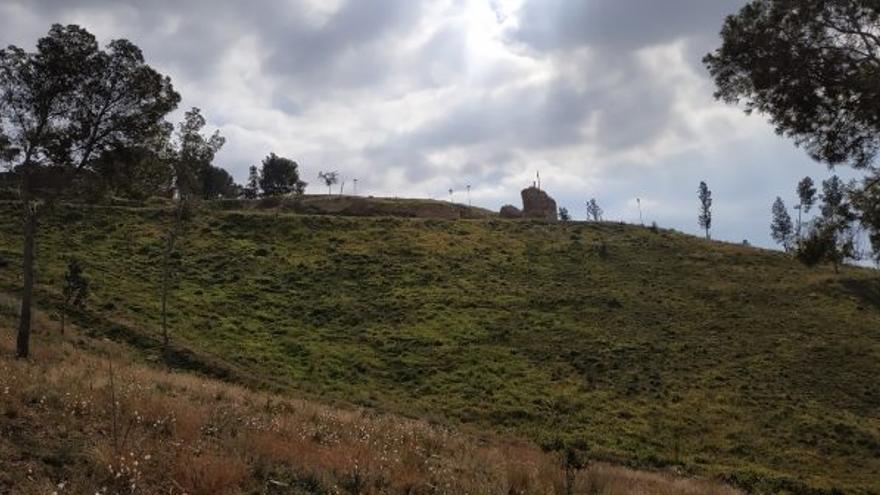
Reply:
x=70, y=101
x=280, y=176
x=812, y=68
x=194, y=156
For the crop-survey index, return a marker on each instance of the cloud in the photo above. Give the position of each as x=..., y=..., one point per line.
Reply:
x=550, y=25
x=608, y=99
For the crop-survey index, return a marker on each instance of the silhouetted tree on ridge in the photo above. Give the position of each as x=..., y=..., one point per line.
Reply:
x=279, y=176
x=781, y=228
x=594, y=211
x=806, y=192
x=252, y=188
x=329, y=179
x=564, y=215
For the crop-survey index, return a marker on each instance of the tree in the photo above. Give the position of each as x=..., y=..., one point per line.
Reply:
x=705, y=217
x=195, y=175
x=133, y=173
x=806, y=192
x=191, y=154
x=811, y=67
x=7, y=151
x=64, y=105
x=593, y=210
x=75, y=290
x=279, y=176
x=781, y=228
x=564, y=215
x=832, y=237
x=825, y=243
x=217, y=183
x=834, y=206
x=252, y=189
x=171, y=256
x=866, y=204
x=329, y=179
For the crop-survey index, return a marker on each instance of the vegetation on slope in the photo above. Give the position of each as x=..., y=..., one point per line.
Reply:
x=632, y=345
x=81, y=418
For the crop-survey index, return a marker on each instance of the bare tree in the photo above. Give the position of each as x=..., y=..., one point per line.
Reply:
x=329, y=179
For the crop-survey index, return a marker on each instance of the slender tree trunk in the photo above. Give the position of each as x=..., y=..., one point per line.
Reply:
x=166, y=275
x=800, y=208
x=174, y=230
x=63, y=314
x=27, y=294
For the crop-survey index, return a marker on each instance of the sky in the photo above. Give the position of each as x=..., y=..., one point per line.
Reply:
x=607, y=99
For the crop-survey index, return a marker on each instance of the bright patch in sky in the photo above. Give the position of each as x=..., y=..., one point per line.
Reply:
x=607, y=98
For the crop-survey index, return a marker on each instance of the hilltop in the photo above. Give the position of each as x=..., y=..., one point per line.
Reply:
x=631, y=345
x=359, y=206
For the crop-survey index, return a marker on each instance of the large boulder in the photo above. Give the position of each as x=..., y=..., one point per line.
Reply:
x=510, y=211
x=538, y=204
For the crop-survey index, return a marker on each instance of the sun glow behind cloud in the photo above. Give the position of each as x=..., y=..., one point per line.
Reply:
x=607, y=99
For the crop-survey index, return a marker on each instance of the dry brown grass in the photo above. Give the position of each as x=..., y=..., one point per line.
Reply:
x=176, y=433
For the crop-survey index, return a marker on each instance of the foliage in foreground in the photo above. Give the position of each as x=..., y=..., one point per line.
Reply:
x=175, y=433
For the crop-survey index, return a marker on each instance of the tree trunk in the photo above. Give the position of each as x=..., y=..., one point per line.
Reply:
x=27, y=294
x=63, y=314
x=166, y=275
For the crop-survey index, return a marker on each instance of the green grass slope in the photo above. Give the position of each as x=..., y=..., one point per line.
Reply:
x=652, y=348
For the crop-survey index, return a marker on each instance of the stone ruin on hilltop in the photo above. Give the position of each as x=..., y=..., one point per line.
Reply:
x=536, y=204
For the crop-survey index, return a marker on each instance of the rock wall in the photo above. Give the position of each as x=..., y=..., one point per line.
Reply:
x=538, y=204
x=510, y=211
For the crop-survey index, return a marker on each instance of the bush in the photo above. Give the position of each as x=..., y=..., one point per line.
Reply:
x=229, y=204
x=602, y=250
x=270, y=202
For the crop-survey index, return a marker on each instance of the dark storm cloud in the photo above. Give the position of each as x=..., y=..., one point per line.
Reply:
x=192, y=36
x=533, y=117
x=352, y=48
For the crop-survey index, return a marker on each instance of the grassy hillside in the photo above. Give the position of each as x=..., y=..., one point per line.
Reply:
x=85, y=417
x=653, y=348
